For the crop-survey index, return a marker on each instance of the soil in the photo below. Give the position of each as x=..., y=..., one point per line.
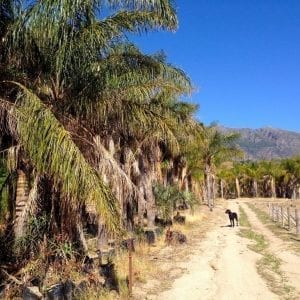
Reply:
x=217, y=263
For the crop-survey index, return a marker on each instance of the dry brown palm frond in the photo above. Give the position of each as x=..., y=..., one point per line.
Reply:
x=13, y=157
x=52, y=152
x=120, y=183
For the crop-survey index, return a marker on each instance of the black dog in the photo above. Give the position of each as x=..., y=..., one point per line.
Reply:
x=232, y=216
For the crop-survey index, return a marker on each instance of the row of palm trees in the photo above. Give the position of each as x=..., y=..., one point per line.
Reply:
x=277, y=178
x=90, y=124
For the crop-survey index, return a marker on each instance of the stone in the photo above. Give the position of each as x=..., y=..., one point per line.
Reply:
x=179, y=219
x=56, y=292
x=150, y=236
x=32, y=293
x=109, y=274
x=175, y=237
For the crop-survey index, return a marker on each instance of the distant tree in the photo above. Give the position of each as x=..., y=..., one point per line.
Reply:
x=209, y=149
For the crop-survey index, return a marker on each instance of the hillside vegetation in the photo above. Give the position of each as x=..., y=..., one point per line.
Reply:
x=267, y=143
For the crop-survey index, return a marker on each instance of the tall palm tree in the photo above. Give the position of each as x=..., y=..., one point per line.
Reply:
x=62, y=54
x=210, y=149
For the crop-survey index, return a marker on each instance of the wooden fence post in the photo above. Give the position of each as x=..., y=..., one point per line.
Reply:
x=273, y=213
x=277, y=213
x=297, y=214
x=282, y=216
x=288, y=217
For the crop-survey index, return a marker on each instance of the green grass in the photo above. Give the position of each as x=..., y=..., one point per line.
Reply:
x=243, y=219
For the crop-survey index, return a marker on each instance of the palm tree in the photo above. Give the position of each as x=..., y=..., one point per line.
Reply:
x=208, y=150
x=227, y=179
x=62, y=57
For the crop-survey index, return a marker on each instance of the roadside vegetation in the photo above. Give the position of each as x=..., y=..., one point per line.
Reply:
x=98, y=144
x=90, y=128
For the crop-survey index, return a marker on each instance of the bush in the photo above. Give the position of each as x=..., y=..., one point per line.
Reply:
x=168, y=197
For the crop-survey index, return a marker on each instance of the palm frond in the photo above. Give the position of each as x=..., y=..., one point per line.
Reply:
x=120, y=183
x=164, y=8
x=52, y=151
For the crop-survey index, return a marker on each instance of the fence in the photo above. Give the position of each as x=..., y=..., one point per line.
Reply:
x=287, y=216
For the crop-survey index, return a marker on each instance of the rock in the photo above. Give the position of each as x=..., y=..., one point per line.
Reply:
x=175, y=237
x=109, y=274
x=32, y=293
x=56, y=292
x=69, y=288
x=150, y=236
x=179, y=219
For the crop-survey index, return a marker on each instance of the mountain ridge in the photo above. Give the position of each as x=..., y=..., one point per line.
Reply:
x=267, y=142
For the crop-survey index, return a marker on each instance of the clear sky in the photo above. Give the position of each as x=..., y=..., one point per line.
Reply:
x=243, y=57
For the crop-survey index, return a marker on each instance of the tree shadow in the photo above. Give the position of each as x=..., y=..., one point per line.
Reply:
x=295, y=239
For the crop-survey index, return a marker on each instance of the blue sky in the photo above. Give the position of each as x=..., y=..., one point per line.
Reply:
x=243, y=57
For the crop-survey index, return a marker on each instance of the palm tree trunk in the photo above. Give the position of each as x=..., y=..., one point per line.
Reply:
x=237, y=186
x=22, y=193
x=102, y=238
x=208, y=186
x=183, y=180
x=255, y=188
x=222, y=188
x=273, y=187
x=214, y=188
x=144, y=183
x=150, y=203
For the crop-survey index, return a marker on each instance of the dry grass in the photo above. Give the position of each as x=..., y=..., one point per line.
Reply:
x=152, y=263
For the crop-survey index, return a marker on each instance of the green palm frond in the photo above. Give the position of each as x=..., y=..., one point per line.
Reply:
x=164, y=8
x=52, y=151
x=135, y=97
x=67, y=34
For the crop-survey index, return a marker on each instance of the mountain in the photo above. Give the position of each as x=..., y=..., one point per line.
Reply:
x=267, y=143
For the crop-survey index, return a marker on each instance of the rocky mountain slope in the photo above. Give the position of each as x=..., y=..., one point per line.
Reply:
x=267, y=143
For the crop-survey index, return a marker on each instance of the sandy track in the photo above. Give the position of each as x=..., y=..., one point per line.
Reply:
x=290, y=262
x=221, y=268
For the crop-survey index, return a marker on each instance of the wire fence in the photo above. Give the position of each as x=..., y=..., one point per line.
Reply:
x=287, y=216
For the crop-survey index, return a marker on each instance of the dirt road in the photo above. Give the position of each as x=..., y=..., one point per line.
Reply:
x=221, y=266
